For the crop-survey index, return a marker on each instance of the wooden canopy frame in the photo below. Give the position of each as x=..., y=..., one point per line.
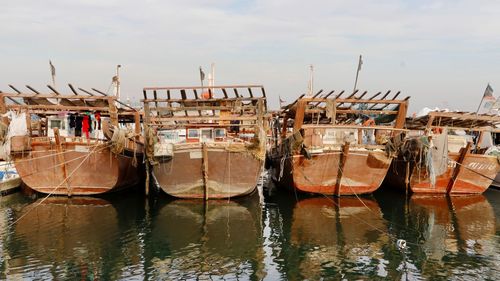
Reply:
x=338, y=111
x=172, y=107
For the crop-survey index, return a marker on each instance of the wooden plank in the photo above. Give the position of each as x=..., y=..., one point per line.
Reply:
x=458, y=166
x=342, y=100
x=203, y=107
x=299, y=115
x=86, y=92
x=204, y=169
x=62, y=162
x=199, y=87
x=401, y=118
x=360, y=111
x=54, y=107
x=72, y=89
x=53, y=90
x=32, y=89
x=14, y=88
x=340, y=171
x=202, y=118
x=205, y=100
x=99, y=92
x=479, y=117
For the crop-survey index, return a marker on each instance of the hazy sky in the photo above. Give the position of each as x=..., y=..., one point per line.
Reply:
x=441, y=53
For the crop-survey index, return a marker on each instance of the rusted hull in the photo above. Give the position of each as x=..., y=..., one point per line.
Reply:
x=90, y=170
x=363, y=172
x=229, y=174
x=474, y=176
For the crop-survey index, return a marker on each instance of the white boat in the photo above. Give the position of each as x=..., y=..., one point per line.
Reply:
x=9, y=179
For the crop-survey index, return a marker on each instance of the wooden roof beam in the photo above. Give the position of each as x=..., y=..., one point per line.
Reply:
x=14, y=88
x=99, y=92
x=73, y=89
x=32, y=89
x=85, y=91
x=53, y=90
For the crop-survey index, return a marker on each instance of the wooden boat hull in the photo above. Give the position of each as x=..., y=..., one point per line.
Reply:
x=229, y=173
x=80, y=169
x=362, y=173
x=469, y=179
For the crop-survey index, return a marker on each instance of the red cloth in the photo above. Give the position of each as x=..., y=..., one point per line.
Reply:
x=85, y=124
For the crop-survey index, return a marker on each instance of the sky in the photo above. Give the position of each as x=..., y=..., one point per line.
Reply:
x=441, y=53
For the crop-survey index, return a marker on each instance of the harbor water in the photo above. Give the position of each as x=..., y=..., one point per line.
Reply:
x=282, y=236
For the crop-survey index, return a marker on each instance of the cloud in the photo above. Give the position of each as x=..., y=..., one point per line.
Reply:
x=427, y=49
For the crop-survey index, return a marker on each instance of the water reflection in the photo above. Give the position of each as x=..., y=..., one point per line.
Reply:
x=59, y=228
x=130, y=237
x=218, y=239
x=453, y=224
x=333, y=238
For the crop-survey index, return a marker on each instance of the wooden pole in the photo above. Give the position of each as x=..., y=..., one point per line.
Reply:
x=340, y=171
x=204, y=169
x=60, y=157
x=456, y=171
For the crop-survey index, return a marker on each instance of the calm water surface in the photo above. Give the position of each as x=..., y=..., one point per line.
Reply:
x=127, y=237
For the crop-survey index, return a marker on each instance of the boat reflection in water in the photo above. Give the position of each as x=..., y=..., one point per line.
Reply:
x=196, y=240
x=337, y=237
x=62, y=237
x=455, y=231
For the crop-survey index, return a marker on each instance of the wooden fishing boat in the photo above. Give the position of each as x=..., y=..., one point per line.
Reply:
x=208, y=146
x=447, y=153
x=50, y=159
x=335, y=146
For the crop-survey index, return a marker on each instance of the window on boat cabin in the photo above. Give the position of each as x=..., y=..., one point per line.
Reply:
x=193, y=134
x=220, y=133
x=206, y=134
x=169, y=136
x=56, y=123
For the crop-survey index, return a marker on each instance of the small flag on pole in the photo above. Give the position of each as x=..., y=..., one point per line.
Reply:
x=488, y=92
x=202, y=74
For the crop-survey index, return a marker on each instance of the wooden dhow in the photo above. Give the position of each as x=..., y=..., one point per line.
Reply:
x=207, y=145
x=335, y=146
x=447, y=153
x=49, y=159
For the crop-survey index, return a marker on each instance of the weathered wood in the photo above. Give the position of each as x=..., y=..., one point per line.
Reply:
x=62, y=162
x=202, y=118
x=32, y=89
x=199, y=87
x=340, y=171
x=360, y=111
x=54, y=90
x=458, y=167
x=87, y=92
x=181, y=101
x=73, y=89
x=401, y=118
x=113, y=112
x=204, y=169
x=299, y=115
x=55, y=107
